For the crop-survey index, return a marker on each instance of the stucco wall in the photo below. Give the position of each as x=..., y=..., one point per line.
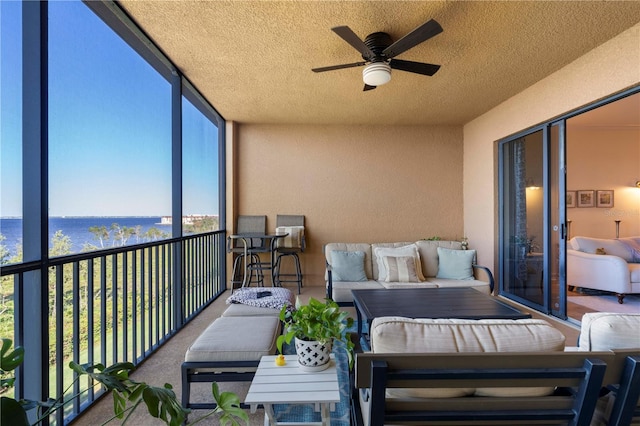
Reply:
x=352, y=183
x=608, y=69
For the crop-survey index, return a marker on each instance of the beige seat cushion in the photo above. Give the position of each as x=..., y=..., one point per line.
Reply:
x=406, y=335
x=235, y=339
x=603, y=331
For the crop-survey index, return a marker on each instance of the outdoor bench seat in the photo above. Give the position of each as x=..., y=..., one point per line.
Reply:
x=229, y=350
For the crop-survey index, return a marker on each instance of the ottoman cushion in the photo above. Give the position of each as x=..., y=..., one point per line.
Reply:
x=235, y=339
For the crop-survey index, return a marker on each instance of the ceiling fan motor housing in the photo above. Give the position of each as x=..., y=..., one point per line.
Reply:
x=377, y=42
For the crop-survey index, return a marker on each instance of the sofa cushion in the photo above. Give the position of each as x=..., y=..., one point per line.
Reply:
x=482, y=286
x=400, y=269
x=611, y=247
x=348, y=266
x=406, y=335
x=455, y=264
x=633, y=245
x=429, y=254
x=341, y=292
x=392, y=249
x=603, y=331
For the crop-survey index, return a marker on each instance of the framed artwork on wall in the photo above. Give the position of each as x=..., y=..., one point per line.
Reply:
x=586, y=198
x=604, y=198
x=571, y=198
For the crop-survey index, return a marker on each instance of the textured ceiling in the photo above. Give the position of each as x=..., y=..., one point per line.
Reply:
x=252, y=59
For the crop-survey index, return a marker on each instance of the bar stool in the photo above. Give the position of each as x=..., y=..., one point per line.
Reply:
x=256, y=225
x=289, y=247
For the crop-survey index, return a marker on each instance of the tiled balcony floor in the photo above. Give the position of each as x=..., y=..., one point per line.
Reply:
x=164, y=367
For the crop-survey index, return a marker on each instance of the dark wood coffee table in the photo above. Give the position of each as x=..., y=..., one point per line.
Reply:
x=462, y=303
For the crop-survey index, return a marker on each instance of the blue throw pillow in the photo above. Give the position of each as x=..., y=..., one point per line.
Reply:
x=348, y=266
x=455, y=264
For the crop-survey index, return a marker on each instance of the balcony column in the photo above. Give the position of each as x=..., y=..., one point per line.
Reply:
x=31, y=297
x=176, y=196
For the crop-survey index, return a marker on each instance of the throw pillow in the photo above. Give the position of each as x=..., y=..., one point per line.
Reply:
x=348, y=266
x=293, y=238
x=410, y=250
x=455, y=264
x=401, y=269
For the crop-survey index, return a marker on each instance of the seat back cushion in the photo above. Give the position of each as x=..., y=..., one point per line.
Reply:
x=407, y=335
x=364, y=247
x=603, y=331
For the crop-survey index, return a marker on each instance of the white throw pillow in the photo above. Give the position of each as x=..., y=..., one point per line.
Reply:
x=410, y=250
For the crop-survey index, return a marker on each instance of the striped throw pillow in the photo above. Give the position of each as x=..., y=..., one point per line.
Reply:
x=400, y=269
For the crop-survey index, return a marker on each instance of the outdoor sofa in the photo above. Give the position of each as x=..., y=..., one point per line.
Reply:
x=422, y=263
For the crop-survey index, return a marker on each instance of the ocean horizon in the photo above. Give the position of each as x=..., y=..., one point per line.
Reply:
x=77, y=229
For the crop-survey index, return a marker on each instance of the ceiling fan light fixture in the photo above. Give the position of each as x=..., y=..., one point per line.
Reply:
x=376, y=74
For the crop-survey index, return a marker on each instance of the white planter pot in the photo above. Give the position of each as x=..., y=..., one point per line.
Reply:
x=312, y=355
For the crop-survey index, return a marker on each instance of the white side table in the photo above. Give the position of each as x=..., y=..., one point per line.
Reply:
x=289, y=384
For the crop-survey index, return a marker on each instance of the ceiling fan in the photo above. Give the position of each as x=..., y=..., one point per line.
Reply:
x=379, y=51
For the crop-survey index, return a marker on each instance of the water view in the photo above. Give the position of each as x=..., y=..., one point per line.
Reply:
x=90, y=233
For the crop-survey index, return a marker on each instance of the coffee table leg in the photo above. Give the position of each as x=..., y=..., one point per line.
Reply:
x=324, y=415
x=269, y=416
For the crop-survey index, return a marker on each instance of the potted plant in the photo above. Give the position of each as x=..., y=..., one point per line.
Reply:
x=315, y=327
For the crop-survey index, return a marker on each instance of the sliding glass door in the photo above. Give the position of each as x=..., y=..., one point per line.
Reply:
x=531, y=213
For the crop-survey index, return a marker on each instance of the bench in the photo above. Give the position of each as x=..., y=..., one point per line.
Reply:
x=229, y=350
x=482, y=377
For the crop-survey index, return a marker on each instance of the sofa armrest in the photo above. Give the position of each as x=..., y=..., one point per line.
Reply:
x=598, y=271
x=481, y=272
x=329, y=288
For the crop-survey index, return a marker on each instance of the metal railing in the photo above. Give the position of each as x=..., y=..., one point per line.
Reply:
x=114, y=305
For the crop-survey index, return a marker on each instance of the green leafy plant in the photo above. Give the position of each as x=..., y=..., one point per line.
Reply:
x=323, y=322
x=127, y=394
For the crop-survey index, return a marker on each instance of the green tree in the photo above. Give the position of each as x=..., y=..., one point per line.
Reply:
x=100, y=233
x=4, y=251
x=60, y=244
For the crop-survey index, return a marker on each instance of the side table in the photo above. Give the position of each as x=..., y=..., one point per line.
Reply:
x=289, y=384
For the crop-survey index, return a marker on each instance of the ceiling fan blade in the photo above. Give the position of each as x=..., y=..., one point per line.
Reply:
x=338, y=67
x=350, y=37
x=367, y=87
x=414, y=67
x=415, y=37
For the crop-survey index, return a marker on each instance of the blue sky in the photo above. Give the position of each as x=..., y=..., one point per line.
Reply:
x=109, y=125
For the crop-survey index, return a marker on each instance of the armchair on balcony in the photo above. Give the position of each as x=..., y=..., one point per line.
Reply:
x=289, y=246
x=247, y=225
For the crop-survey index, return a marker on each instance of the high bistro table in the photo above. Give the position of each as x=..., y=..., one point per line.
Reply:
x=459, y=302
x=268, y=244
x=289, y=384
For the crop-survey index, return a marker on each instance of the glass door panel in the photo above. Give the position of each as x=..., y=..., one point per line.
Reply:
x=557, y=217
x=522, y=213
